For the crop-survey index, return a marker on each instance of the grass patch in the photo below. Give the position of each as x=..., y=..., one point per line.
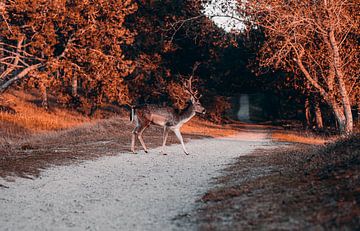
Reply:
x=30, y=118
x=300, y=137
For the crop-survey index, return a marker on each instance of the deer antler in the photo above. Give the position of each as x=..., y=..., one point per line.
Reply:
x=189, y=88
x=188, y=83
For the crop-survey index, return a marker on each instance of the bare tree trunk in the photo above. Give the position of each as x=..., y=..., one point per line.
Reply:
x=307, y=112
x=2, y=67
x=347, y=108
x=44, y=95
x=318, y=116
x=343, y=91
x=339, y=116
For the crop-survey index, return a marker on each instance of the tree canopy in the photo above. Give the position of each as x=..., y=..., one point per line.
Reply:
x=54, y=42
x=316, y=41
x=138, y=51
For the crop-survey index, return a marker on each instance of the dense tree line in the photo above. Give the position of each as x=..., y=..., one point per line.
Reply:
x=59, y=45
x=87, y=53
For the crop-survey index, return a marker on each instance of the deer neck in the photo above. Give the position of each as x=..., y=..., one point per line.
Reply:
x=187, y=114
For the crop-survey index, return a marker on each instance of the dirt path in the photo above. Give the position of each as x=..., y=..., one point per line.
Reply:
x=122, y=192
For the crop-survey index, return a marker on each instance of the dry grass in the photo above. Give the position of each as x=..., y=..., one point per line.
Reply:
x=34, y=119
x=198, y=126
x=37, y=120
x=297, y=137
x=30, y=118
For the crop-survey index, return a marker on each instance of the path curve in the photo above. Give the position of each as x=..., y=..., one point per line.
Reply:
x=122, y=192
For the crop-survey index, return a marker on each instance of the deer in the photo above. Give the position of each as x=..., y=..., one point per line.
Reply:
x=166, y=117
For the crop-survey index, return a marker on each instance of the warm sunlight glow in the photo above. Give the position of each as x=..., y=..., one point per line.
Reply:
x=224, y=14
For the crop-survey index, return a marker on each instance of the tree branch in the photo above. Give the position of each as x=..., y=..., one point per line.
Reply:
x=4, y=86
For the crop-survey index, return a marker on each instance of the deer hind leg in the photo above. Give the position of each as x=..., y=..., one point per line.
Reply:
x=139, y=135
x=165, y=136
x=133, y=137
x=179, y=136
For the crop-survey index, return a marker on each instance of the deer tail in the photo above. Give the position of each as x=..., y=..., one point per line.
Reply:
x=132, y=114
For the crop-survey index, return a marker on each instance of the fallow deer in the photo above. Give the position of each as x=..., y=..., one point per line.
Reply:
x=166, y=117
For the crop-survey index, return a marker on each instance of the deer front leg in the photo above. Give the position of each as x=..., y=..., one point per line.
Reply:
x=141, y=139
x=165, y=136
x=179, y=136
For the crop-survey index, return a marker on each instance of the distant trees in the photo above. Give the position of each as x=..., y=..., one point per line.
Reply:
x=59, y=45
x=317, y=41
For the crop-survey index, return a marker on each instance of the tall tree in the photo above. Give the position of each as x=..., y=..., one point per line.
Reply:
x=317, y=40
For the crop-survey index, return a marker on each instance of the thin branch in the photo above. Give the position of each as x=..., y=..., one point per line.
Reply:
x=11, y=65
x=180, y=23
x=307, y=74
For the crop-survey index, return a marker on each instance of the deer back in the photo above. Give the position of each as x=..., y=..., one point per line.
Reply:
x=156, y=114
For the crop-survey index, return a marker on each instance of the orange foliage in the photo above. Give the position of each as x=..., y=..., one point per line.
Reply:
x=53, y=42
x=318, y=42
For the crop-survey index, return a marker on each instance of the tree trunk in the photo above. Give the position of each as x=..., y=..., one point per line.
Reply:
x=318, y=116
x=347, y=108
x=74, y=86
x=343, y=91
x=44, y=95
x=307, y=113
x=339, y=116
x=2, y=66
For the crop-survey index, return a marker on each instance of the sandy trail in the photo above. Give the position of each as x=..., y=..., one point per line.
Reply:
x=122, y=192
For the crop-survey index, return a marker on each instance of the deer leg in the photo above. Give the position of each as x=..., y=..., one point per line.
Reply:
x=165, y=136
x=133, y=138
x=141, y=139
x=179, y=136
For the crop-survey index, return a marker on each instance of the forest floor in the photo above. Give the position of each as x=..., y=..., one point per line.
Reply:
x=299, y=187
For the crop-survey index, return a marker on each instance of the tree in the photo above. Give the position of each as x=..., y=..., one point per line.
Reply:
x=317, y=40
x=171, y=37
x=56, y=43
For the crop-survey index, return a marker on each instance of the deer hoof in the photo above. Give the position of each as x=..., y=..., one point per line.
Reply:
x=186, y=153
x=146, y=151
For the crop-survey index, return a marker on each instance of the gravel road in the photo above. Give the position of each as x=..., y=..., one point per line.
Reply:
x=122, y=192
